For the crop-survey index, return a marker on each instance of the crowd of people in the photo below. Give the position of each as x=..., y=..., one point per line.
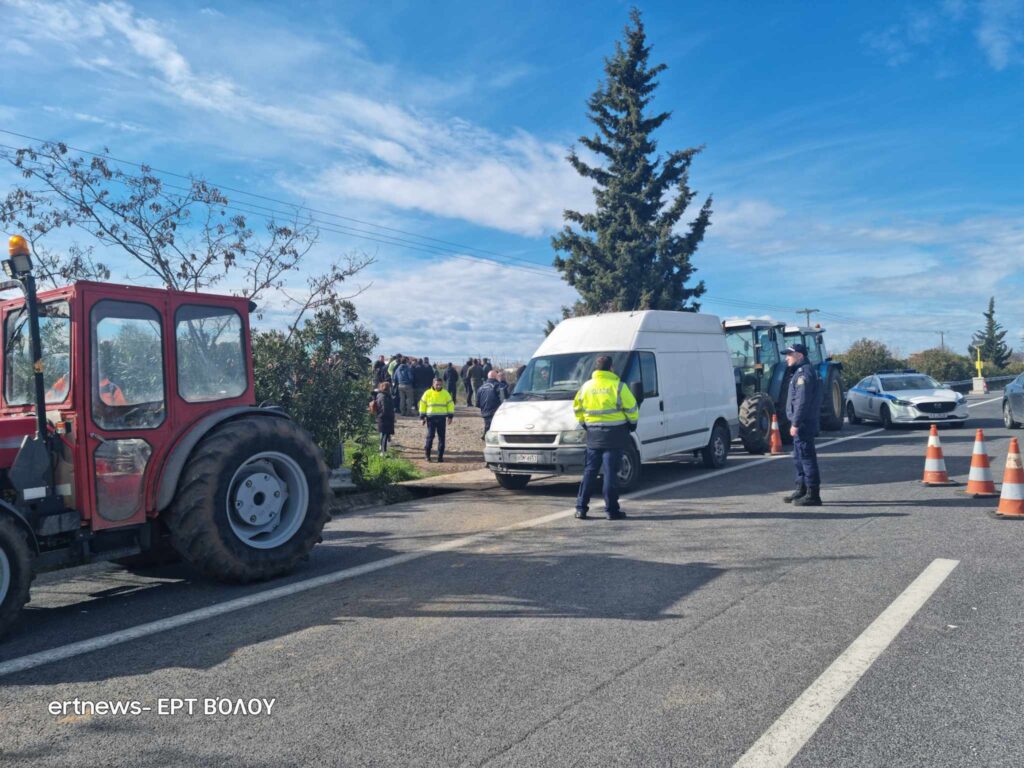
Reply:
x=413, y=386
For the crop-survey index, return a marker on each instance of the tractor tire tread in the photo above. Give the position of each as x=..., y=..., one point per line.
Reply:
x=19, y=551
x=192, y=521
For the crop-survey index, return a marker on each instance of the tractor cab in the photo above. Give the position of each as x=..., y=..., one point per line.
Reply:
x=129, y=428
x=755, y=347
x=830, y=372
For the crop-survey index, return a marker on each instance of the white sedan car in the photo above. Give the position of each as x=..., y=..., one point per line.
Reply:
x=904, y=397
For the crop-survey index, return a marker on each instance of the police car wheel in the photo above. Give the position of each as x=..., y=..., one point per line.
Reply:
x=885, y=417
x=851, y=414
x=1008, y=421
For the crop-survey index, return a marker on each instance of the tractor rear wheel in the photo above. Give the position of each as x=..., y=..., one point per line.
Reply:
x=15, y=572
x=756, y=422
x=251, y=501
x=832, y=403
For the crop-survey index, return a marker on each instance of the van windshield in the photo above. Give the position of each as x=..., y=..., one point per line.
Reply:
x=558, y=377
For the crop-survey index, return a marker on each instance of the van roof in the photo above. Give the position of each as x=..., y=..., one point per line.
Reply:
x=618, y=330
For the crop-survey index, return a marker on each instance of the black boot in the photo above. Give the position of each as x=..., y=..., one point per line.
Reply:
x=440, y=458
x=812, y=499
x=799, y=493
x=426, y=452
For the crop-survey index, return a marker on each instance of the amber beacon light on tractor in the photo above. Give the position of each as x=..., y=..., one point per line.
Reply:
x=129, y=431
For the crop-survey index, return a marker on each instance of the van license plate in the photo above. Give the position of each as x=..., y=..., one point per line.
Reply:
x=526, y=458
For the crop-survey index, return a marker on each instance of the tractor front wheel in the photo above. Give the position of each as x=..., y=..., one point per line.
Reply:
x=832, y=403
x=15, y=572
x=756, y=422
x=251, y=501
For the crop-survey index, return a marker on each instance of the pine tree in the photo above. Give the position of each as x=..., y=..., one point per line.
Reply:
x=991, y=340
x=630, y=253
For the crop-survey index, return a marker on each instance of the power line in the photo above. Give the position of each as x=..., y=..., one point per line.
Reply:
x=268, y=213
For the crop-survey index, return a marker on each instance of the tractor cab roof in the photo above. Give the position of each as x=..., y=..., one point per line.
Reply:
x=131, y=292
x=793, y=330
x=740, y=324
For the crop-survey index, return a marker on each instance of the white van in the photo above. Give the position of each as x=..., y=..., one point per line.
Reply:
x=676, y=362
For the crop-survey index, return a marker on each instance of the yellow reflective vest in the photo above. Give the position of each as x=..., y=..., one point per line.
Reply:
x=605, y=401
x=437, y=403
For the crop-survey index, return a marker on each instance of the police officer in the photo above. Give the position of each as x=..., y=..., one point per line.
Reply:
x=437, y=409
x=607, y=410
x=803, y=410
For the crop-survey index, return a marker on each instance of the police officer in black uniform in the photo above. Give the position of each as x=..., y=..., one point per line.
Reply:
x=803, y=410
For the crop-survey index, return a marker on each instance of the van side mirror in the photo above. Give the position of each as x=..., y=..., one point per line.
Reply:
x=637, y=388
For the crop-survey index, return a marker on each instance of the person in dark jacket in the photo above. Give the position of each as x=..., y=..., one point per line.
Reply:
x=803, y=411
x=406, y=389
x=423, y=377
x=503, y=389
x=488, y=397
x=464, y=375
x=450, y=376
x=385, y=415
x=380, y=370
x=487, y=366
x=476, y=376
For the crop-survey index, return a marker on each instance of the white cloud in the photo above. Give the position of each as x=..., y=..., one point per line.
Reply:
x=738, y=221
x=1001, y=31
x=451, y=308
x=392, y=155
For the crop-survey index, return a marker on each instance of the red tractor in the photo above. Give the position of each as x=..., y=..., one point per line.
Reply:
x=129, y=429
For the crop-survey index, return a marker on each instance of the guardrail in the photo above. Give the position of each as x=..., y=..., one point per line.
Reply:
x=994, y=383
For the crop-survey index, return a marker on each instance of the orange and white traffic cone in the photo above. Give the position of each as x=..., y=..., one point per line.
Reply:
x=1011, y=501
x=979, y=482
x=775, y=443
x=935, y=463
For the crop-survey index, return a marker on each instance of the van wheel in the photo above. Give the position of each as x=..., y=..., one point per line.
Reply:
x=629, y=470
x=15, y=572
x=716, y=451
x=511, y=482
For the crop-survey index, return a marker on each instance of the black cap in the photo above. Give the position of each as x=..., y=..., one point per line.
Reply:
x=795, y=348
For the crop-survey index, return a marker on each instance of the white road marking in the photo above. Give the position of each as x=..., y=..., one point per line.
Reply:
x=787, y=735
x=100, y=642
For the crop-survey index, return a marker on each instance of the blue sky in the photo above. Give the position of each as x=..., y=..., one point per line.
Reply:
x=865, y=158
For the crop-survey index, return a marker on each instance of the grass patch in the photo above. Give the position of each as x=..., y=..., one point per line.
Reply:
x=371, y=471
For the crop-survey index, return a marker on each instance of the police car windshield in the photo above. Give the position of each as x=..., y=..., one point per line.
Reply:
x=558, y=377
x=913, y=381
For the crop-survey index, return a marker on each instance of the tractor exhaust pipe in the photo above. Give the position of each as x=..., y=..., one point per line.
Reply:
x=19, y=268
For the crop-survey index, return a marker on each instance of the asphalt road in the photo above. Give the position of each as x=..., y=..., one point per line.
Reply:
x=676, y=637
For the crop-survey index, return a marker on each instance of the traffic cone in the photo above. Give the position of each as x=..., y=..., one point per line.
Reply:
x=775, y=442
x=1011, y=501
x=979, y=482
x=934, y=462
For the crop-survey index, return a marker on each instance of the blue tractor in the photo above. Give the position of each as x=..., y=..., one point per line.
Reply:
x=830, y=373
x=762, y=378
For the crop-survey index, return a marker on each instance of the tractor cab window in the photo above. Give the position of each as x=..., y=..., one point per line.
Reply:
x=127, y=366
x=769, y=353
x=813, y=349
x=55, y=338
x=211, y=355
x=741, y=350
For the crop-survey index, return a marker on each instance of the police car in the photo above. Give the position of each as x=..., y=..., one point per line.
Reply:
x=904, y=397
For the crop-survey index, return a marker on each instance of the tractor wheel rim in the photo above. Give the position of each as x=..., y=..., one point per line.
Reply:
x=837, y=399
x=5, y=575
x=267, y=500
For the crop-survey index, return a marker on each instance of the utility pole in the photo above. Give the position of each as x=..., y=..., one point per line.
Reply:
x=942, y=339
x=807, y=313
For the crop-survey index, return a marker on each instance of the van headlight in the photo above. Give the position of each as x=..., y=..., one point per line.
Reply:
x=573, y=437
x=492, y=438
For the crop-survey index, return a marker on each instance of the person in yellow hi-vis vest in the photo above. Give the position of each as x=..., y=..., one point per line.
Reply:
x=437, y=409
x=607, y=410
